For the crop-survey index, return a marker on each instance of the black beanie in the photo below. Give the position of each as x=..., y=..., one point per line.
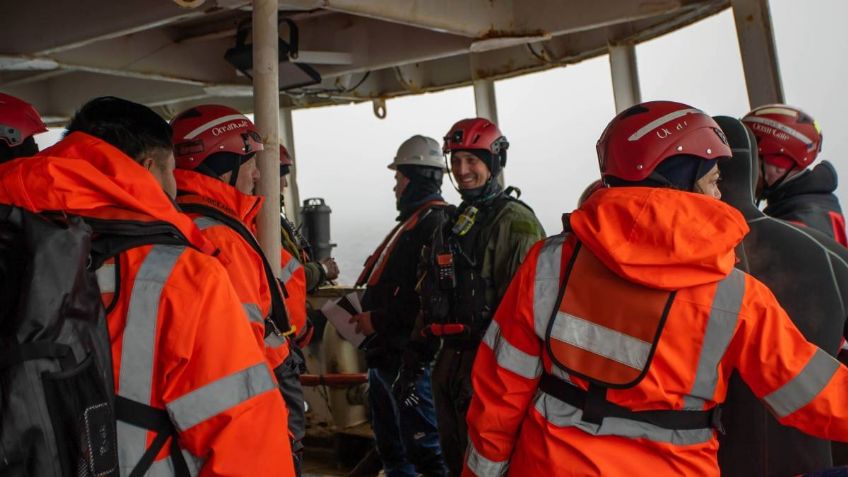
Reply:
x=684, y=170
x=221, y=163
x=681, y=172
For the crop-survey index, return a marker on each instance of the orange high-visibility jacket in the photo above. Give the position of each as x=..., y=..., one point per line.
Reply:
x=242, y=262
x=720, y=319
x=180, y=340
x=293, y=278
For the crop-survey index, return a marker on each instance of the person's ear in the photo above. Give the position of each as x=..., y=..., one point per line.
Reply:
x=147, y=162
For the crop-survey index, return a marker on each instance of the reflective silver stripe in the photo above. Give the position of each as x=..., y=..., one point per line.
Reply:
x=483, y=467
x=216, y=397
x=560, y=373
x=254, y=314
x=165, y=467
x=106, y=278
x=722, y=323
x=781, y=127
x=210, y=124
x=509, y=357
x=204, y=223
x=546, y=287
x=288, y=270
x=562, y=414
x=601, y=340
x=137, y=348
x=660, y=121
x=804, y=387
x=274, y=341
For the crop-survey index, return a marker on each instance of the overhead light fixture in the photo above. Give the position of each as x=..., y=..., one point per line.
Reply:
x=291, y=75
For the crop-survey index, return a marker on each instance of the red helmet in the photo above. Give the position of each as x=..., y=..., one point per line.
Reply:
x=785, y=131
x=477, y=133
x=639, y=138
x=204, y=130
x=18, y=120
x=285, y=158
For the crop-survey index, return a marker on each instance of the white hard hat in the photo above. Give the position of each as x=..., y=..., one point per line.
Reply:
x=419, y=151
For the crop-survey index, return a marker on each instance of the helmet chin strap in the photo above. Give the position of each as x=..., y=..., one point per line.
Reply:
x=235, y=173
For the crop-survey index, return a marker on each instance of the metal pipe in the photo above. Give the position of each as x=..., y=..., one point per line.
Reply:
x=625, y=76
x=484, y=99
x=266, y=110
x=758, y=51
x=292, y=192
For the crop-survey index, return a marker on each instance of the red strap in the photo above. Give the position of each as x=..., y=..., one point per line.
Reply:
x=444, y=330
x=837, y=221
x=377, y=261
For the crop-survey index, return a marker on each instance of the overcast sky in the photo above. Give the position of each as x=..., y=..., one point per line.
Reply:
x=553, y=119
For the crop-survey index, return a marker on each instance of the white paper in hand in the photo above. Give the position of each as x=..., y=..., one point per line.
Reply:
x=338, y=312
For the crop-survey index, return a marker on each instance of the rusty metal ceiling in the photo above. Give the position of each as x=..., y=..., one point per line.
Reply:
x=170, y=54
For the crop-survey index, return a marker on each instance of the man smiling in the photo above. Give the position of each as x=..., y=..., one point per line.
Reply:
x=468, y=267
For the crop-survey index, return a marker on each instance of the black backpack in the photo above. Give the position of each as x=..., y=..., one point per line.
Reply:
x=57, y=403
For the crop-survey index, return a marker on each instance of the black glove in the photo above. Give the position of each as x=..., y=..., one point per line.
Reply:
x=404, y=387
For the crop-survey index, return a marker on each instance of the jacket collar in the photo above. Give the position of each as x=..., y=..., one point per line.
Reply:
x=85, y=176
x=194, y=187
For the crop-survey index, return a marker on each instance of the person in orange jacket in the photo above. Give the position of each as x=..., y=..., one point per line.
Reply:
x=170, y=306
x=19, y=123
x=612, y=349
x=313, y=273
x=215, y=148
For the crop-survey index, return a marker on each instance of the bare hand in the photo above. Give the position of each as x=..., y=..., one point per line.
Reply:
x=330, y=267
x=363, y=323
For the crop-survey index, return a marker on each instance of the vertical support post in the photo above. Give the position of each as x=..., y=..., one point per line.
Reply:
x=292, y=193
x=266, y=107
x=759, y=54
x=625, y=76
x=486, y=105
x=484, y=99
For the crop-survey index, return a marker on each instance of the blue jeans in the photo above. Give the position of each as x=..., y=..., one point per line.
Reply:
x=407, y=437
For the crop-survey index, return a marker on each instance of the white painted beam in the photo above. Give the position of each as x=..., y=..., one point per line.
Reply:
x=759, y=55
x=625, y=76
x=292, y=192
x=267, y=115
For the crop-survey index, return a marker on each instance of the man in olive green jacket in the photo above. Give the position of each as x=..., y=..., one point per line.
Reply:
x=465, y=272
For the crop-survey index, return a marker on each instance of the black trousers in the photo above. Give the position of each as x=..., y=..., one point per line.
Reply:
x=452, y=394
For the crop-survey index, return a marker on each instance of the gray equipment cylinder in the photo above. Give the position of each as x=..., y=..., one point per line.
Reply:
x=315, y=217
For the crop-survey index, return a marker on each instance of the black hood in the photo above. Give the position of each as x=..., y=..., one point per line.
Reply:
x=740, y=173
x=820, y=180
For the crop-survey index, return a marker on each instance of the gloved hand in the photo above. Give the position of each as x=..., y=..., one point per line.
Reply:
x=404, y=387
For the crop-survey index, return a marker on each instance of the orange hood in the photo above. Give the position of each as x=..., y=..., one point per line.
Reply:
x=195, y=187
x=85, y=176
x=660, y=238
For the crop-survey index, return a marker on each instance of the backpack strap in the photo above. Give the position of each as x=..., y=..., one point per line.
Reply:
x=156, y=420
x=279, y=314
x=113, y=237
